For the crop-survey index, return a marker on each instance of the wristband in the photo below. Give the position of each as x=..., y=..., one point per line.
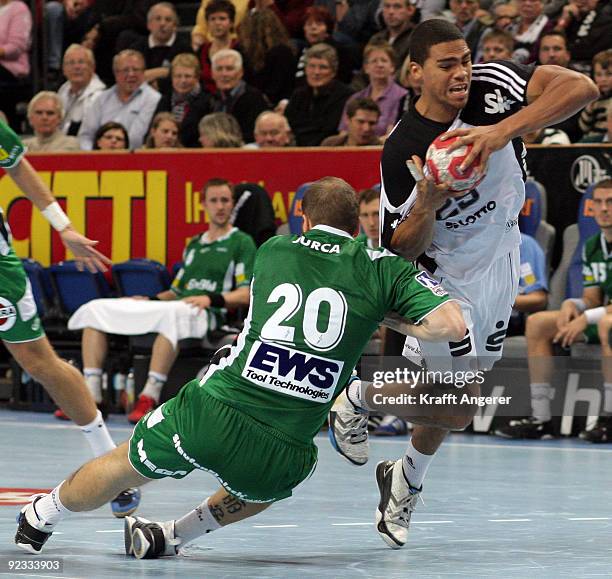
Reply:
x=595, y=314
x=579, y=303
x=217, y=300
x=55, y=215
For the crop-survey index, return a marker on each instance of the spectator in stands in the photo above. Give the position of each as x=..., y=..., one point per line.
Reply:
x=407, y=80
x=15, y=37
x=356, y=21
x=271, y=130
x=607, y=137
x=202, y=291
x=362, y=117
x=398, y=18
x=164, y=132
x=202, y=32
x=111, y=136
x=527, y=29
x=497, y=45
x=81, y=88
x=577, y=320
x=587, y=25
x=233, y=95
x=130, y=102
x=220, y=131
x=379, y=65
x=593, y=119
x=504, y=15
x=547, y=136
x=271, y=63
x=162, y=44
x=314, y=110
x=186, y=100
x=45, y=113
x=465, y=17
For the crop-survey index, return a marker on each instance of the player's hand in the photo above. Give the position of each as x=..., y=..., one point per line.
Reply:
x=567, y=313
x=485, y=140
x=428, y=193
x=200, y=302
x=571, y=332
x=84, y=251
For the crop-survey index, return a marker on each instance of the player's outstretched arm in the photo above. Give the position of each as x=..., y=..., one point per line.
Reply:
x=36, y=191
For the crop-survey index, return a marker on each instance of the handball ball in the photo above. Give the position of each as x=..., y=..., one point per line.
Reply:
x=444, y=166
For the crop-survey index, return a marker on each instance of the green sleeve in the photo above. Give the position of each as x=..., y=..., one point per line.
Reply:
x=11, y=148
x=245, y=262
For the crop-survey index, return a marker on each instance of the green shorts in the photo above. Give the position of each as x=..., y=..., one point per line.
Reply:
x=591, y=334
x=253, y=461
x=19, y=321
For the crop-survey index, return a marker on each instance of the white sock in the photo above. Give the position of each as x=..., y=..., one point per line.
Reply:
x=354, y=392
x=415, y=465
x=49, y=509
x=608, y=397
x=195, y=523
x=97, y=435
x=154, y=385
x=93, y=379
x=541, y=395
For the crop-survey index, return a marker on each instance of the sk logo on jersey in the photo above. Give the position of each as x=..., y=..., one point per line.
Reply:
x=292, y=372
x=431, y=284
x=497, y=103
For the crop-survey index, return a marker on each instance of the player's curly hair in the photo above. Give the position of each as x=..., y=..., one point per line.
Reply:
x=332, y=201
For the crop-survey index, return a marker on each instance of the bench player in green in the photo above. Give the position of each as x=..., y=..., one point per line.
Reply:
x=315, y=301
x=20, y=327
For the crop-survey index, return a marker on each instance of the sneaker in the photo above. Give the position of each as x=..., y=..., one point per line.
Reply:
x=143, y=405
x=397, y=502
x=374, y=421
x=348, y=430
x=32, y=532
x=391, y=426
x=147, y=540
x=601, y=432
x=125, y=503
x=530, y=428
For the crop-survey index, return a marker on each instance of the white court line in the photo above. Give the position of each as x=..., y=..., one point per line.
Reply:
x=509, y=520
x=588, y=518
x=274, y=526
x=113, y=531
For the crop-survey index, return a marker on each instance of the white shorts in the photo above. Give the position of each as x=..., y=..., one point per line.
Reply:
x=486, y=305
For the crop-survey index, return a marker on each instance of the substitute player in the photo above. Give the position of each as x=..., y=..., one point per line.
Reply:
x=20, y=327
x=469, y=242
x=316, y=299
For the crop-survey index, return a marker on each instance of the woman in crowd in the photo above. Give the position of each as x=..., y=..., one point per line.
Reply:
x=220, y=131
x=111, y=136
x=163, y=133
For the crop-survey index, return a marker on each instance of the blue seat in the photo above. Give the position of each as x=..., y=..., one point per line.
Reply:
x=75, y=288
x=42, y=289
x=176, y=268
x=140, y=277
x=295, y=212
x=531, y=213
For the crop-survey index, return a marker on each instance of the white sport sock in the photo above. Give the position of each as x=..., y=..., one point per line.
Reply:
x=195, y=523
x=415, y=465
x=608, y=397
x=97, y=435
x=50, y=509
x=93, y=379
x=541, y=395
x=154, y=385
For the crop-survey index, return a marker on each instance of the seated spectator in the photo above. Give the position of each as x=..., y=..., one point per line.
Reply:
x=504, y=15
x=111, y=136
x=362, y=116
x=233, y=95
x=45, y=113
x=497, y=45
x=271, y=130
x=356, y=21
x=527, y=29
x=81, y=88
x=162, y=44
x=202, y=32
x=220, y=131
x=548, y=136
x=314, y=110
x=379, y=65
x=264, y=42
x=607, y=137
x=464, y=15
x=407, y=80
x=131, y=102
x=593, y=119
x=164, y=132
x=217, y=270
x=186, y=100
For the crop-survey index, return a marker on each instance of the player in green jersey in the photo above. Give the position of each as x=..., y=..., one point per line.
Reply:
x=20, y=327
x=585, y=319
x=315, y=300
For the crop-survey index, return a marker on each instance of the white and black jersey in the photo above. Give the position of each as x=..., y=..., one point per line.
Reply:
x=473, y=230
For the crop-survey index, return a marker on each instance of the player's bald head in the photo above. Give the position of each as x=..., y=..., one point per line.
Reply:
x=332, y=201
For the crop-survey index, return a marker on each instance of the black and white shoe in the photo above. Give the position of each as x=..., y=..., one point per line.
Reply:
x=601, y=431
x=32, y=531
x=348, y=430
x=148, y=540
x=527, y=428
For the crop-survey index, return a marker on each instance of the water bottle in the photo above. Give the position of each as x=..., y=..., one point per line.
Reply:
x=130, y=391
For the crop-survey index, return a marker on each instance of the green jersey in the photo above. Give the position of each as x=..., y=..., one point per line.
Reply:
x=365, y=240
x=597, y=264
x=315, y=301
x=11, y=147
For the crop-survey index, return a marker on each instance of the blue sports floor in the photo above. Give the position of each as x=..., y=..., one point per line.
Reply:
x=493, y=509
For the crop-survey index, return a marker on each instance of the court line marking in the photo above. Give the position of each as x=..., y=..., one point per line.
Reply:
x=111, y=531
x=588, y=518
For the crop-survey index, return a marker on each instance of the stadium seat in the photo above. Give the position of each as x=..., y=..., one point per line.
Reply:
x=558, y=281
x=532, y=219
x=140, y=277
x=295, y=212
x=42, y=290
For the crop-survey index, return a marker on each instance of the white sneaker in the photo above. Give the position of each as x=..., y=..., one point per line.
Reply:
x=145, y=539
x=348, y=430
x=397, y=502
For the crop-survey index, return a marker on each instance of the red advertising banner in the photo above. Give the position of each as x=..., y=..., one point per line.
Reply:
x=148, y=204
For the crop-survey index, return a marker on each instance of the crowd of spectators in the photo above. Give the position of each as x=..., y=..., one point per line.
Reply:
x=304, y=60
